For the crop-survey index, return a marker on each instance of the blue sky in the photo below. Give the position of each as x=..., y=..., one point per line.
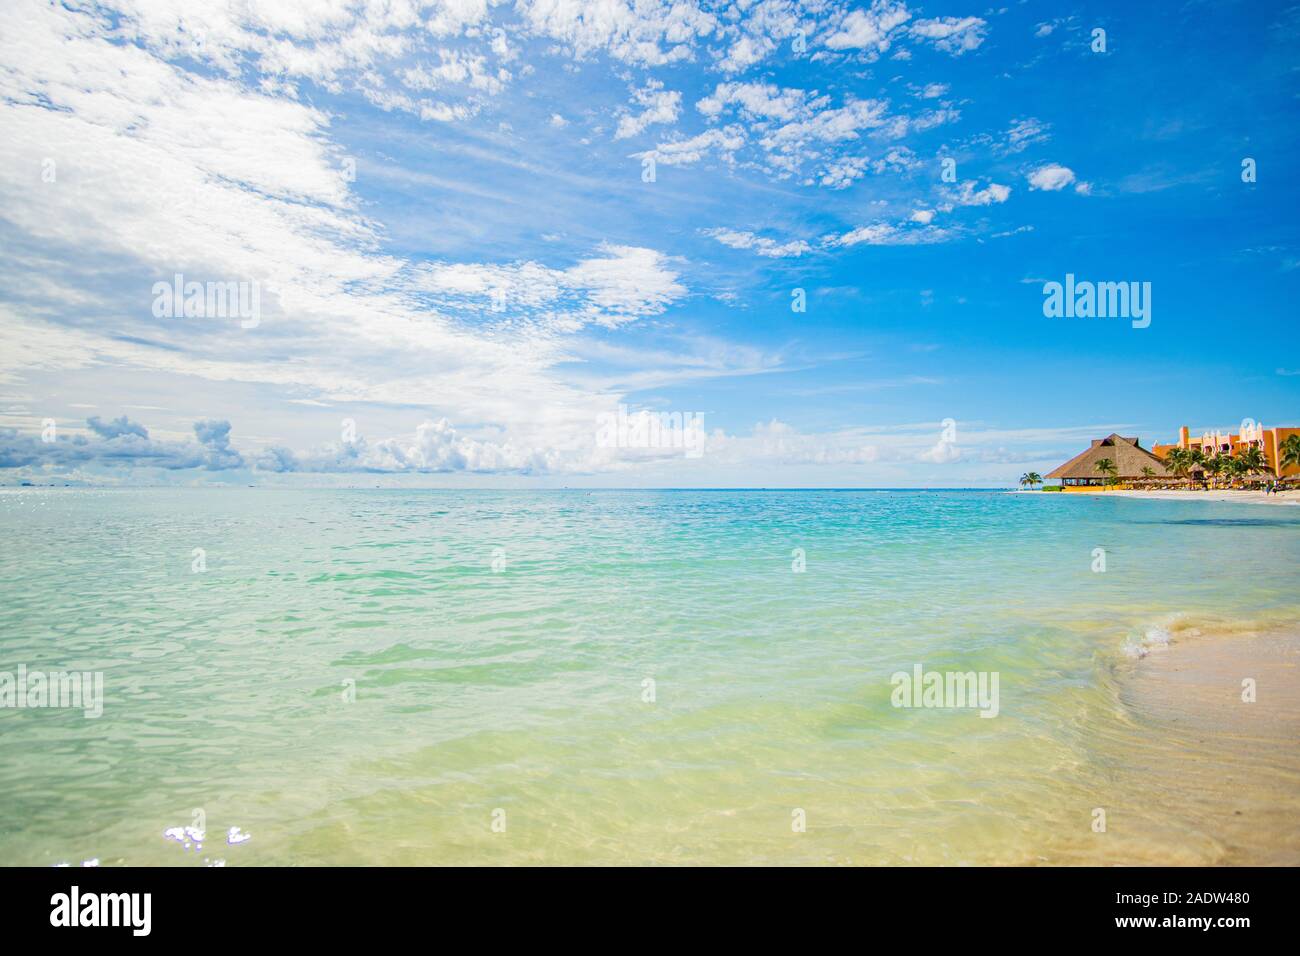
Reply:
x=461, y=266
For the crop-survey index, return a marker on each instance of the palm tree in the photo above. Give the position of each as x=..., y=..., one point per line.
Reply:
x=1234, y=468
x=1148, y=472
x=1107, y=469
x=1030, y=478
x=1289, y=453
x=1177, y=463
x=1253, y=462
x=1214, y=466
x=1193, y=460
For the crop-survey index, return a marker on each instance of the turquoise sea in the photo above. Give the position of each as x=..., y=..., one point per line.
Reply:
x=582, y=677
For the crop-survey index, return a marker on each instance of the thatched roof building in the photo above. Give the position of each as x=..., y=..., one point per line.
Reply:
x=1129, y=458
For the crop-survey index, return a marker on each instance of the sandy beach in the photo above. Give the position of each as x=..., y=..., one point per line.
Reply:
x=1226, y=495
x=1219, y=752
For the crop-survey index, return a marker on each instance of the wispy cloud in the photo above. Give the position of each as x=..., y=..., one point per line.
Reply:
x=474, y=226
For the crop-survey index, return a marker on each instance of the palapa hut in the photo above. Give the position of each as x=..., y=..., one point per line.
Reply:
x=1128, y=456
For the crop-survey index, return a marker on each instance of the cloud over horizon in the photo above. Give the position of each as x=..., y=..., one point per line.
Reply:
x=477, y=226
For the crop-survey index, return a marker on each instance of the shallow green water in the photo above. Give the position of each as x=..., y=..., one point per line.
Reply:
x=523, y=689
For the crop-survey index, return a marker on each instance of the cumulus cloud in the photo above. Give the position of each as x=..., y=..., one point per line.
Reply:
x=941, y=453
x=436, y=447
x=868, y=29
x=337, y=46
x=456, y=68
x=214, y=435
x=277, y=458
x=658, y=106
x=758, y=101
x=968, y=195
x=120, y=443
x=644, y=33
x=213, y=141
x=684, y=152
x=116, y=428
x=164, y=170
x=625, y=283
x=841, y=173
x=1051, y=177
x=953, y=35
x=797, y=130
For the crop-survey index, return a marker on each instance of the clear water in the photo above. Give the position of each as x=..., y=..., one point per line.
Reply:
x=518, y=695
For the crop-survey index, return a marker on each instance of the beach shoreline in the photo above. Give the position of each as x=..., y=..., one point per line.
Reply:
x=1290, y=498
x=1220, y=713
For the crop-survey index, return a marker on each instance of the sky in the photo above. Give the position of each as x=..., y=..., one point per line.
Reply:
x=457, y=237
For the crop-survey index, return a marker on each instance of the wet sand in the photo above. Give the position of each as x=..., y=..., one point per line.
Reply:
x=1223, y=773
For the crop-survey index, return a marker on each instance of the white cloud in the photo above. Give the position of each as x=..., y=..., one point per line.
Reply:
x=841, y=173
x=122, y=443
x=760, y=244
x=758, y=101
x=753, y=37
x=626, y=283
x=334, y=44
x=1051, y=177
x=235, y=169
x=941, y=453
x=163, y=171
x=456, y=69
x=796, y=128
x=644, y=33
x=621, y=284
x=897, y=159
x=828, y=125
x=953, y=35
x=659, y=106
x=438, y=447
x=684, y=152
x=968, y=195
x=869, y=29
x=1022, y=134
x=890, y=234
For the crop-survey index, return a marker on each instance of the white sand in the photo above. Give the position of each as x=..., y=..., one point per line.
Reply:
x=1227, y=768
